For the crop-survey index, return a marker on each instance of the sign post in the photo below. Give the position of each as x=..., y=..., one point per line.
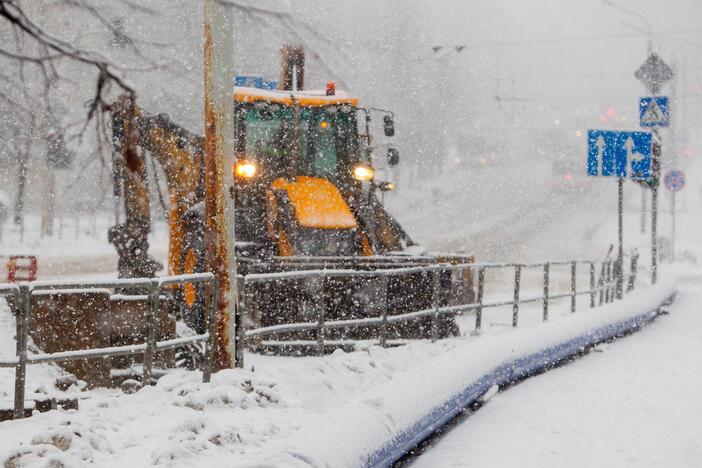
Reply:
x=674, y=181
x=621, y=155
x=644, y=207
x=619, y=267
x=654, y=73
x=654, y=213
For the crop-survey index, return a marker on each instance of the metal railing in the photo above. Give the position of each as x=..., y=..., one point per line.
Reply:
x=603, y=285
x=22, y=294
x=600, y=289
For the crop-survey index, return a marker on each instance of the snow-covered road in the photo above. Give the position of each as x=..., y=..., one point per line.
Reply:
x=636, y=403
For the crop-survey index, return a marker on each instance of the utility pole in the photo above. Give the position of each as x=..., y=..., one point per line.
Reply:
x=219, y=179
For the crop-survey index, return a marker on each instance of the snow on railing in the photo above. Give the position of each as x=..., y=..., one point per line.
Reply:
x=609, y=285
x=23, y=292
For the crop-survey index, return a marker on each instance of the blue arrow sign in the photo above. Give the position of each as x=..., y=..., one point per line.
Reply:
x=654, y=111
x=619, y=154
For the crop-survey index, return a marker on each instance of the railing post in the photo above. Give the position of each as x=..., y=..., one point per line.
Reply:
x=25, y=307
x=592, y=284
x=152, y=313
x=436, y=304
x=632, y=272
x=515, y=305
x=547, y=268
x=619, y=278
x=614, y=279
x=481, y=289
x=239, y=333
x=606, y=281
x=602, y=283
x=384, y=311
x=211, y=328
x=573, y=279
x=610, y=275
x=320, y=324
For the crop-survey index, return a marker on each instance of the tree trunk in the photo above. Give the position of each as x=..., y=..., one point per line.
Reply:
x=47, y=202
x=21, y=185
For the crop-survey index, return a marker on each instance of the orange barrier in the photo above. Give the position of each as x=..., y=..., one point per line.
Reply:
x=21, y=268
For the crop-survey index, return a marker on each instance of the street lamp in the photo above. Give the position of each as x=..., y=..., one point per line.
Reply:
x=649, y=28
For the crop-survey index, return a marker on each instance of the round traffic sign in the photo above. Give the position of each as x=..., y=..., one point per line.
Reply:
x=674, y=180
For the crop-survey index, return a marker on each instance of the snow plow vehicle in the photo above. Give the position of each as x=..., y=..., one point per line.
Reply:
x=305, y=197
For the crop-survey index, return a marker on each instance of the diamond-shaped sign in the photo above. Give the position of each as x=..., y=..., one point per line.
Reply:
x=654, y=73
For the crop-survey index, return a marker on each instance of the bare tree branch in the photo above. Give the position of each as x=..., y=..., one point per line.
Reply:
x=27, y=58
x=11, y=11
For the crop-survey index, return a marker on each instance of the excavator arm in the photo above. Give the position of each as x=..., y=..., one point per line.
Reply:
x=180, y=155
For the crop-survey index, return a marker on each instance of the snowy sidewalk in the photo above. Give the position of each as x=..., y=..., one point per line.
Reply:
x=634, y=404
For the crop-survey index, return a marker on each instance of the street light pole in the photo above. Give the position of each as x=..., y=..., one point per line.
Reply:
x=649, y=28
x=444, y=65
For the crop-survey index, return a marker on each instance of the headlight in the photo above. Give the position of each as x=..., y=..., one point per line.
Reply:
x=363, y=173
x=245, y=169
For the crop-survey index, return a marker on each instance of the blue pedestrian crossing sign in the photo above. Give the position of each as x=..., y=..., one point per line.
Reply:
x=619, y=154
x=654, y=111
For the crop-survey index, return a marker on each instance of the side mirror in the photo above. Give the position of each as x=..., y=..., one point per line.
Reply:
x=393, y=156
x=388, y=125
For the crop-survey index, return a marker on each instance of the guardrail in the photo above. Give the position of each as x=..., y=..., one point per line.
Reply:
x=23, y=292
x=602, y=289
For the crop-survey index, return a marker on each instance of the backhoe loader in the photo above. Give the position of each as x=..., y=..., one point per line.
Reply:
x=305, y=198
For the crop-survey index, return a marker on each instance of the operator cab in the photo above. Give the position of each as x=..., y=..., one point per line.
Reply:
x=298, y=163
x=327, y=141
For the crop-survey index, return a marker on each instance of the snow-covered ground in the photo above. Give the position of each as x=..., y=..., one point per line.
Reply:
x=634, y=403
x=247, y=416
x=77, y=248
